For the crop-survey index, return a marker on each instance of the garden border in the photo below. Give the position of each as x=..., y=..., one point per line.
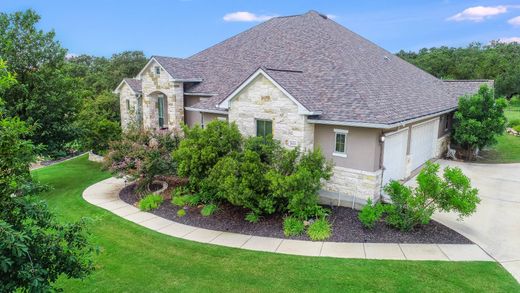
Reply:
x=105, y=194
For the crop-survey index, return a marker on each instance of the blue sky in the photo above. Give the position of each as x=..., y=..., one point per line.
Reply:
x=181, y=28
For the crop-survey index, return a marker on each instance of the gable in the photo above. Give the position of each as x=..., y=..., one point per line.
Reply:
x=261, y=76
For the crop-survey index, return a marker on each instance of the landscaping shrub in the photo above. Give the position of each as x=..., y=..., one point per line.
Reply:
x=319, y=230
x=201, y=149
x=370, y=214
x=143, y=156
x=239, y=179
x=514, y=122
x=150, y=202
x=180, y=191
x=300, y=188
x=179, y=201
x=252, y=217
x=208, y=210
x=517, y=128
x=181, y=213
x=192, y=200
x=293, y=226
x=414, y=206
x=478, y=120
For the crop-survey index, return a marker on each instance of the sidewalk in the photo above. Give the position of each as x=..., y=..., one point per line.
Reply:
x=105, y=194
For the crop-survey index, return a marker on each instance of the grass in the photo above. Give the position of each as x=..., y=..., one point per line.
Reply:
x=507, y=149
x=135, y=259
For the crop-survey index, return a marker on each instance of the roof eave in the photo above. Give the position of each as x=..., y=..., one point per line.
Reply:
x=379, y=125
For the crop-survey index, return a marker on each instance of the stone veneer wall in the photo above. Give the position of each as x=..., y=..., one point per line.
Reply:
x=127, y=115
x=261, y=99
x=155, y=84
x=351, y=187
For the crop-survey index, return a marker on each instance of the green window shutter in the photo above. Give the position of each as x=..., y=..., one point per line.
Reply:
x=259, y=127
x=160, y=108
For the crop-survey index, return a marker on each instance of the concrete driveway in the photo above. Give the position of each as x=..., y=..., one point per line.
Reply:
x=495, y=226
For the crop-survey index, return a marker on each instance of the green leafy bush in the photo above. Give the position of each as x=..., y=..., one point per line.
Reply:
x=180, y=191
x=319, y=230
x=192, y=200
x=370, y=214
x=293, y=226
x=201, y=149
x=514, y=122
x=181, y=213
x=414, y=206
x=98, y=122
x=300, y=188
x=208, y=210
x=179, y=201
x=252, y=217
x=150, y=202
x=239, y=179
x=478, y=120
x=517, y=128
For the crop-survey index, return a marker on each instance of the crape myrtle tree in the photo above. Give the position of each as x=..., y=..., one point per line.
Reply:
x=35, y=249
x=478, y=120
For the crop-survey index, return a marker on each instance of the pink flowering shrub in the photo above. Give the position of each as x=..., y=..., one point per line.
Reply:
x=142, y=156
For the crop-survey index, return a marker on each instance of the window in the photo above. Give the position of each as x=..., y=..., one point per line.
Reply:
x=446, y=122
x=264, y=128
x=160, y=109
x=128, y=105
x=157, y=70
x=340, y=146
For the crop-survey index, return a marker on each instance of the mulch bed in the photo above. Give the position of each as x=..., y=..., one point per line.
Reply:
x=345, y=225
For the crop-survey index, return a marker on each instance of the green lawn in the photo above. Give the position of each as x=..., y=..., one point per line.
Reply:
x=507, y=149
x=135, y=259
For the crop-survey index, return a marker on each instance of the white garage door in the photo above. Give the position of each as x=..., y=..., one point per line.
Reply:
x=423, y=140
x=394, y=155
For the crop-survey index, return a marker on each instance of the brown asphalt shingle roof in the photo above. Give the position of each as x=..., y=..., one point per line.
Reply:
x=323, y=65
x=134, y=84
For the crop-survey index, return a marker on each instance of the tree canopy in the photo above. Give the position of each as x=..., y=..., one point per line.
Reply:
x=55, y=94
x=497, y=61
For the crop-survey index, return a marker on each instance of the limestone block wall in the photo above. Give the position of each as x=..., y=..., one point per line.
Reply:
x=261, y=99
x=128, y=115
x=349, y=187
x=152, y=86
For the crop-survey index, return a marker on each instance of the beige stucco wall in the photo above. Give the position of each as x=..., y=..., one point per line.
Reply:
x=128, y=116
x=261, y=99
x=356, y=177
x=208, y=117
x=152, y=86
x=191, y=117
x=363, y=147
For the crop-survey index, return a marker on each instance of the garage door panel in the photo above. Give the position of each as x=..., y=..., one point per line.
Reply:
x=394, y=160
x=422, y=143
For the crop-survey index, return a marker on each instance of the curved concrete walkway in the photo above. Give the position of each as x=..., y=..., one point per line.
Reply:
x=495, y=226
x=105, y=194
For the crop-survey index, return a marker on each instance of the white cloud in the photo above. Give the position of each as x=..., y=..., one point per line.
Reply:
x=479, y=13
x=245, y=16
x=510, y=40
x=515, y=21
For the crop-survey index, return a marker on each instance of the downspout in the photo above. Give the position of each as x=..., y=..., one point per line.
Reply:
x=381, y=166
